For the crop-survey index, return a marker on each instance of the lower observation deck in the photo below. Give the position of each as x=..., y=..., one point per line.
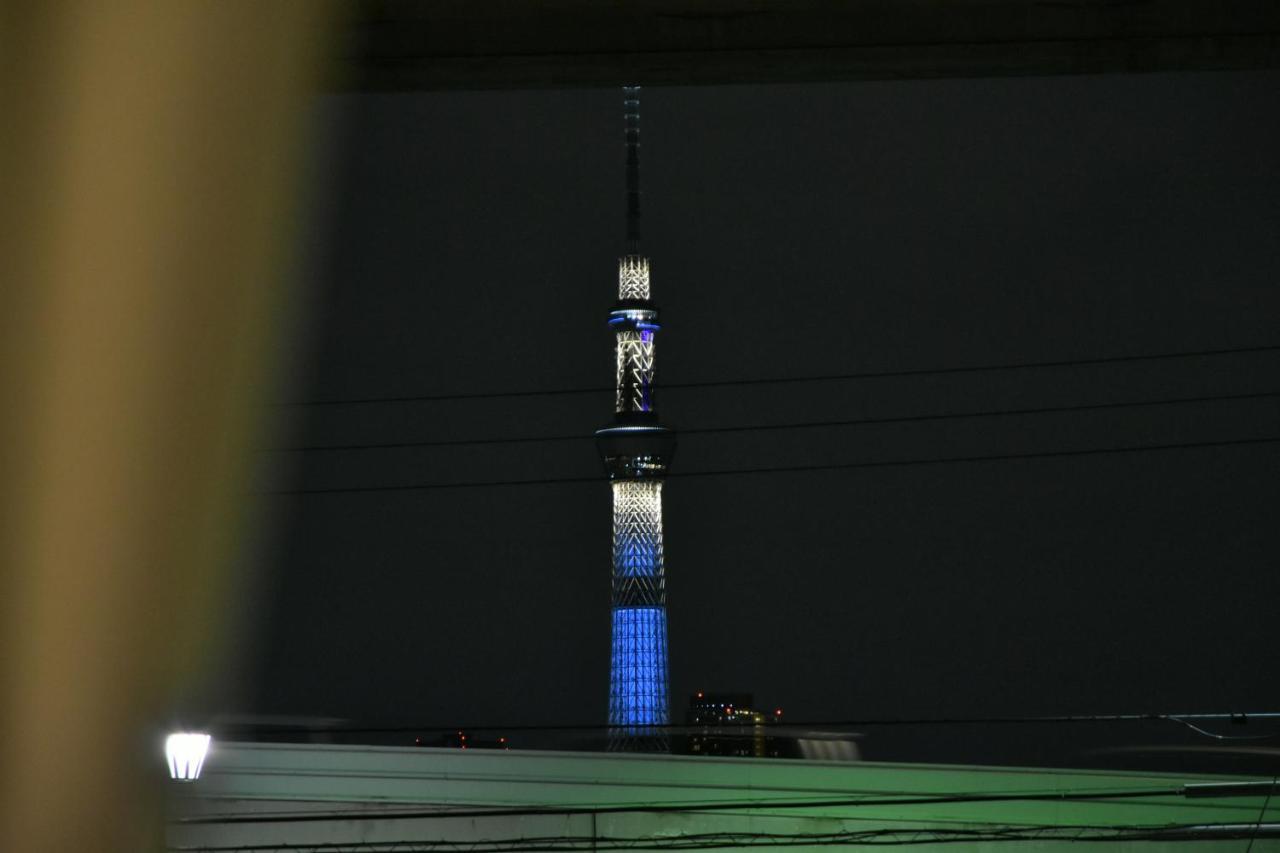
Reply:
x=637, y=448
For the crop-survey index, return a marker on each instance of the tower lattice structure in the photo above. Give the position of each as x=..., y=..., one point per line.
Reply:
x=636, y=450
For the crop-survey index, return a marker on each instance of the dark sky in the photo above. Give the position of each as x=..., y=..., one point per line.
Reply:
x=465, y=242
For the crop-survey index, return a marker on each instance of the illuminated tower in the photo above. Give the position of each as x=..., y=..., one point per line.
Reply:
x=636, y=450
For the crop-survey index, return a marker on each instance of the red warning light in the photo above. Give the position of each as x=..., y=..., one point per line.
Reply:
x=777, y=712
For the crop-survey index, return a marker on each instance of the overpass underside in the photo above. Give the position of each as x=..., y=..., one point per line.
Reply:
x=395, y=45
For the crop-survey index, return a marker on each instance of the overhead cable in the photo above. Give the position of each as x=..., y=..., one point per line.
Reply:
x=969, y=833
x=785, y=469
x=787, y=380
x=1233, y=717
x=719, y=805
x=989, y=413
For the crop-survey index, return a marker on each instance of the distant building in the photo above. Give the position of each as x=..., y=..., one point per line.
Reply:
x=462, y=740
x=727, y=724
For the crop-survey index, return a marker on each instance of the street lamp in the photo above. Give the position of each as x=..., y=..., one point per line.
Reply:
x=185, y=752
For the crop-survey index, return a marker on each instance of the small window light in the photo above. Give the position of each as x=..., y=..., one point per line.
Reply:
x=185, y=752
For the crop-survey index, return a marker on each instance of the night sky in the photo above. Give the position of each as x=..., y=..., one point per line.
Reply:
x=467, y=242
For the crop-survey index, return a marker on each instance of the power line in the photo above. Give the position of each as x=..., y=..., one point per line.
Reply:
x=712, y=805
x=1235, y=718
x=1218, y=736
x=1040, y=410
x=966, y=832
x=956, y=832
x=870, y=800
x=787, y=469
x=1261, y=812
x=826, y=377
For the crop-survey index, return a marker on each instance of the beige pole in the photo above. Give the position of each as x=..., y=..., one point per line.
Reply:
x=148, y=153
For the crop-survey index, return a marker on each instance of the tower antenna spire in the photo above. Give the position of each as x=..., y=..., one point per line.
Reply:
x=631, y=130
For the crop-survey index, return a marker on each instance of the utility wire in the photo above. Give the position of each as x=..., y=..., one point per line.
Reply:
x=1261, y=813
x=969, y=832
x=1235, y=718
x=992, y=413
x=1218, y=736
x=715, y=805
x=787, y=469
x=787, y=380
x=872, y=800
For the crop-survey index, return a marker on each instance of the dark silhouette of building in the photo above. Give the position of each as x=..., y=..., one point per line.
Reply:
x=727, y=724
x=462, y=740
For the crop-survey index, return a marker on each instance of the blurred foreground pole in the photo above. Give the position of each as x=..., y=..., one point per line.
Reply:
x=147, y=157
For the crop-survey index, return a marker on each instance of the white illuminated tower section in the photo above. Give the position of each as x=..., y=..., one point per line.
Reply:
x=636, y=450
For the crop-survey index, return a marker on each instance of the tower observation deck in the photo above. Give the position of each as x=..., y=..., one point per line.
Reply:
x=636, y=450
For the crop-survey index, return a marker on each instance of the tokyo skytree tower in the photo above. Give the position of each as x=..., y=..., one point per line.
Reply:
x=636, y=450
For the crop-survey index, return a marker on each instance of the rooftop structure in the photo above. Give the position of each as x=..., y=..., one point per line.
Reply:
x=727, y=724
x=304, y=797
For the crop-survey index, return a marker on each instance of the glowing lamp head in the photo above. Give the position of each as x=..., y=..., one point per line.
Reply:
x=185, y=752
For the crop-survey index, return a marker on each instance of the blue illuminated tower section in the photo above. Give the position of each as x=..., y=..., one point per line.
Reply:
x=636, y=450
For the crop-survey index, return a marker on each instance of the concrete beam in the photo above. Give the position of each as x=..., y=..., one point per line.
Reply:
x=394, y=45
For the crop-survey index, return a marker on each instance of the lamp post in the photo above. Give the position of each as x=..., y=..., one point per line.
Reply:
x=185, y=752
